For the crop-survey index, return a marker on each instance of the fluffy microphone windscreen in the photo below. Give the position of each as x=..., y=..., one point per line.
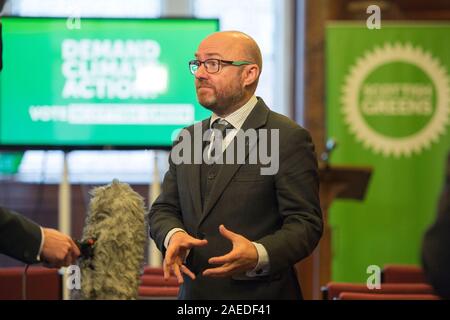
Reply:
x=116, y=224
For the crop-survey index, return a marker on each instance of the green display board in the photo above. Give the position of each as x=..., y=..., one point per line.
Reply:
x=112, y=82
x=388, y=94
x=10, y=162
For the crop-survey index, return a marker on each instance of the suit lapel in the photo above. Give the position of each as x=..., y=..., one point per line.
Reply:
x=256, y=119
x=194, y=175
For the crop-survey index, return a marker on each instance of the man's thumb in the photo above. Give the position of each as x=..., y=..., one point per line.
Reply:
x=227, y=233
x=198, y=242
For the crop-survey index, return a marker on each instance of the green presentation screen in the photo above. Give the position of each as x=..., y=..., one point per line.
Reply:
x=109, y=83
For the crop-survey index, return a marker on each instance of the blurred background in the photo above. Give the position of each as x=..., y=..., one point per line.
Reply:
x=369, y=79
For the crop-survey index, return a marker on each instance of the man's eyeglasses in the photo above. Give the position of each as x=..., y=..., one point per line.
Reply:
x=214, y=65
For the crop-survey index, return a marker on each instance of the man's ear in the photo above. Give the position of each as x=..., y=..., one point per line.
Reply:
x=250, y=74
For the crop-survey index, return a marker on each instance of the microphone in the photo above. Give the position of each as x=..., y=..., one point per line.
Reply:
x=112, y=245
x=86, y=248
x=329, y=148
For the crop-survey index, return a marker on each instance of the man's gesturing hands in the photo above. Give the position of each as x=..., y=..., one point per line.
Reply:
x=179, y=245
x=242, y=257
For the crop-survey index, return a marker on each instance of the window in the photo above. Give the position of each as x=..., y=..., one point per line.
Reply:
x=87, y=8
x=234, y=15
x=267, y=22
x=91, y=166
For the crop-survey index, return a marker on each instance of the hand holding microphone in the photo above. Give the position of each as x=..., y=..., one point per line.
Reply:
x=59, y=249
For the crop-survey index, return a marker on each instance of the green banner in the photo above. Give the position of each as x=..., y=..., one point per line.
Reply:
x=388, y=94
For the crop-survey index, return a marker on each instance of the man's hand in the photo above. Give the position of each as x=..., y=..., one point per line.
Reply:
x=58, y=249
x=242, y=257
x=179, y=245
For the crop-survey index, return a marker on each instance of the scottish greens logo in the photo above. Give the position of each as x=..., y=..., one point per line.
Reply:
x=395, y=100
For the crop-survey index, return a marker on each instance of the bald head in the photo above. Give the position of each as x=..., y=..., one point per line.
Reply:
x=238, y=43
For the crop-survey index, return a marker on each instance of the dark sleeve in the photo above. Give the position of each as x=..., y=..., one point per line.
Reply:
x=165, y=212
x=297, y=188
x=20, y=238
x=436, y=247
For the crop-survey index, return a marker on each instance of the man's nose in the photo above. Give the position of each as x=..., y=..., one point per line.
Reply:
x=201, y=72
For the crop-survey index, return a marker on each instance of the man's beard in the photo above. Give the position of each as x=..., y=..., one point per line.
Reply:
x=219, y=103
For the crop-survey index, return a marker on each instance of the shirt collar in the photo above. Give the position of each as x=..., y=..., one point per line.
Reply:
x=237, y=118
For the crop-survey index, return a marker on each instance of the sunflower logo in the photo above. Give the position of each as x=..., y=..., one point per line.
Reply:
x=397, y=113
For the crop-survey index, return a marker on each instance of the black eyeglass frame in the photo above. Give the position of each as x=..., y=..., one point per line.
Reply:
x=197, y=63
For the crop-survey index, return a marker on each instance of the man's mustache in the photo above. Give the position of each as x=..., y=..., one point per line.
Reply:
x=203, y=85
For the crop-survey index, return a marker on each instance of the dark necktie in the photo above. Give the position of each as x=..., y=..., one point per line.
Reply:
x=222, y=126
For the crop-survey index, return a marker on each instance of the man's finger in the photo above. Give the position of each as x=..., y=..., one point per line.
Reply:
x=74, y=256
x=176, y=270
x=166, y=270
x=170, y=253
x=67, y=259
x=75, y=250
x=188, y=272
x=222, y=271
x=227, y=258
x=195, y=243
x=227, y=233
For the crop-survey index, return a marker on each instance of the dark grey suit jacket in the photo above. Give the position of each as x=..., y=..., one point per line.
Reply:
x=20, y=238
x=281, y=211
x=436, y=244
